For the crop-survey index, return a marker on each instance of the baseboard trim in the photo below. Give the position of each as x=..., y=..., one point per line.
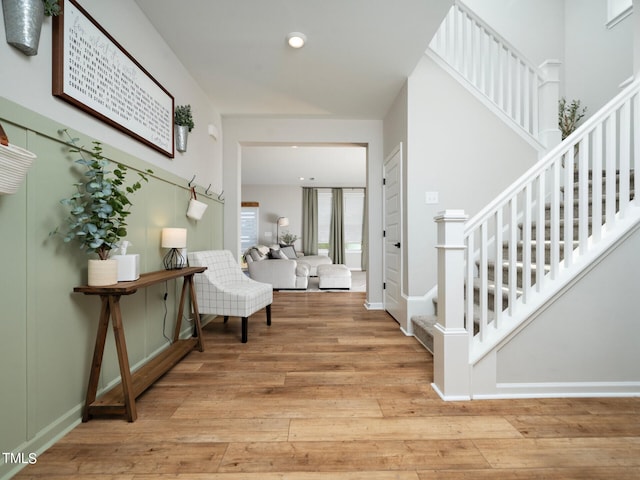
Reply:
x=450, y=398
x=562, y=390
x=374, y=306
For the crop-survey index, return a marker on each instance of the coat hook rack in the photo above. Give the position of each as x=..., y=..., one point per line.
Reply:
x=206, y=192
x=194, y=177
x=220, y=197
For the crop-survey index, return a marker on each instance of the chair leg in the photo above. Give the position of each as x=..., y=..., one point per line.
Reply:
x=244, y=329
x=226, y=318
x=269, y=314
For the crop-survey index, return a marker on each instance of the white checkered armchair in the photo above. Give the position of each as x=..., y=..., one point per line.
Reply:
x=223, y=289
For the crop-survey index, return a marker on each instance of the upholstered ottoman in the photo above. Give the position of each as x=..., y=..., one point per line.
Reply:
x=334, y=276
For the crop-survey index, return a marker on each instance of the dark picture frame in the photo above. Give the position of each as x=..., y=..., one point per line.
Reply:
x=93, y=72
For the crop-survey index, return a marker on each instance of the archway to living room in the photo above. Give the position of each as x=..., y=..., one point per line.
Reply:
x=273, y=179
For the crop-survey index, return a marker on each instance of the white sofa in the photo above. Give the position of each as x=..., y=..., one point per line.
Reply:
x=281, y=273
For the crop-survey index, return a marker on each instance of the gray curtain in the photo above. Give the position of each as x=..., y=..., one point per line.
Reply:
x=364, y=259
x=336, y=229
x=310, y=221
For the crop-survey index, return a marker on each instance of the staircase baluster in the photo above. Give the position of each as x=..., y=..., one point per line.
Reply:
x=610, y=173
x=625, y=152
x=554, y=219
x=596, y=189
x=583, y=195
x=540, y=232
x=568, y=206
x=498, y=265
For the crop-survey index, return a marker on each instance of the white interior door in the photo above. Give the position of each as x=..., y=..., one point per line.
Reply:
x=392, y=175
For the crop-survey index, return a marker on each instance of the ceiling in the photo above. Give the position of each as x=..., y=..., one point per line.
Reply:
x=357, y=57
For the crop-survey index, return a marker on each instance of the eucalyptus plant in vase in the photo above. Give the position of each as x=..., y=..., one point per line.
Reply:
x=98, y=210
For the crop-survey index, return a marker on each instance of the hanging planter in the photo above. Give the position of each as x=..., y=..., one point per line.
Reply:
x=196, y=208
x=183, y=124
x=182, y=135
x=23, y=22
x=14, y=165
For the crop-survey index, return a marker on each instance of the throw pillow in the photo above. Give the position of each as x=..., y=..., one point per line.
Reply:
x=289, y=251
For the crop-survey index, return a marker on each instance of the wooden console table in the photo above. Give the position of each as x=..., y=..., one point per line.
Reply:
x=121, y=399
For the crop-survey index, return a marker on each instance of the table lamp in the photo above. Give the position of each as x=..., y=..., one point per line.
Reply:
x=175, y=239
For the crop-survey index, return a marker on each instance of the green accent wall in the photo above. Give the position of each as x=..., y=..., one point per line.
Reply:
x=47, y=331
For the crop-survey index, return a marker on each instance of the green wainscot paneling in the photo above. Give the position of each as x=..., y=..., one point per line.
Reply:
x=48, y=332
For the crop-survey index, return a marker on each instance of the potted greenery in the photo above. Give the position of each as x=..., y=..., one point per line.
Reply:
x=183, y=121
x=569, y=115
x=99, y=209
x=23, y=22
x=288, y=238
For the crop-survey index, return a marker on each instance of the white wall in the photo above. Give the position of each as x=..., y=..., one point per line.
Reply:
x=461, y=150
x=597, y=59
x=27, y=81
x=276, y=201
x=244, y=130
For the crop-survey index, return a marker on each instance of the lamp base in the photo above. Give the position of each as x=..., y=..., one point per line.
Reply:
x=174, y=259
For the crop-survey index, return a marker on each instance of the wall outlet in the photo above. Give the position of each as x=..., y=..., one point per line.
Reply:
x=431, y=198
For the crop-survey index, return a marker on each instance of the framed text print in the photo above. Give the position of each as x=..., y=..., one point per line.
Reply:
x=93, y=72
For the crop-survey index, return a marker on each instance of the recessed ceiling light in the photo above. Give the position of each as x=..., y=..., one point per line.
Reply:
x=296, y=39
x=300, y=178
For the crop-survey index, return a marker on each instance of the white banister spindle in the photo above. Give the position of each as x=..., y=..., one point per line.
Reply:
x=554, y=220
x=498, y=264
x=568, y=202
x=625, y=152
x=513, y=253
x=540, y=232
x=610, y=172
x=583, y=195
x=527, y=244
x=596, y=181
x=484, y=282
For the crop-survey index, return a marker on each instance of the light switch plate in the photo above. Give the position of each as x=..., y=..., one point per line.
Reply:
x=431, y=198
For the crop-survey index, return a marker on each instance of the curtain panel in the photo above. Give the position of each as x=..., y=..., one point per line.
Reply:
x=310, y=221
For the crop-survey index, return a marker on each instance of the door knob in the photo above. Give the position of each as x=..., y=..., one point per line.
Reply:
x=397, y=244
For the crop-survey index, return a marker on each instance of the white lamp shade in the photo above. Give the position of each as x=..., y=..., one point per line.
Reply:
x=174, y=238
x=283, y=222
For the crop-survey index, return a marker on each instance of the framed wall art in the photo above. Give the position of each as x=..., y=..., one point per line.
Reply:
x=93, y=72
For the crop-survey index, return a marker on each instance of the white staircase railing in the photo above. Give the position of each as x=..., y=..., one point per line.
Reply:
x=543, y=230
x=499, y=72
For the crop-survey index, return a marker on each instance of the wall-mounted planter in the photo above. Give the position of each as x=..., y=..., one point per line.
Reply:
x=23, y=24
x=14, y=165
x=182, y=134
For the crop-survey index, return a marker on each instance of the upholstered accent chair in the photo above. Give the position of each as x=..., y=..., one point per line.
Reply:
x=223, y=289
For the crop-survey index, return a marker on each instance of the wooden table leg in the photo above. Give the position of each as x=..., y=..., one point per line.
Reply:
x=123, y=358
x=196, y=312
x=176, y=333
x=98, y=352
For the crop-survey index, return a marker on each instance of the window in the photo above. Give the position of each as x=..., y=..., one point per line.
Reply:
x=248, y=226
x=617, y=10
x=353, y=209
x=353, y=205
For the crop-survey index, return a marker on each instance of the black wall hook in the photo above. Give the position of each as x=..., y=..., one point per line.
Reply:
x=206, y=192
x=194, y=177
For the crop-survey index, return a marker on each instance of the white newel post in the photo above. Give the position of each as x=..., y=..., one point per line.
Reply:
x=451, y=370
x=549, y=95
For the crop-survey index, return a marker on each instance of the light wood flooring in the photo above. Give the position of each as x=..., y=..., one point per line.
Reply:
x=333, y=391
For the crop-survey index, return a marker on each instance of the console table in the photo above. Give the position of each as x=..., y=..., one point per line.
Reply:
x=121, y=399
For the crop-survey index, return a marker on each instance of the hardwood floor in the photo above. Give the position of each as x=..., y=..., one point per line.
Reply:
x=333, y=391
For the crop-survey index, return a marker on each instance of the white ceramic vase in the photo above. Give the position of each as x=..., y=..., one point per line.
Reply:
x=103, y=272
